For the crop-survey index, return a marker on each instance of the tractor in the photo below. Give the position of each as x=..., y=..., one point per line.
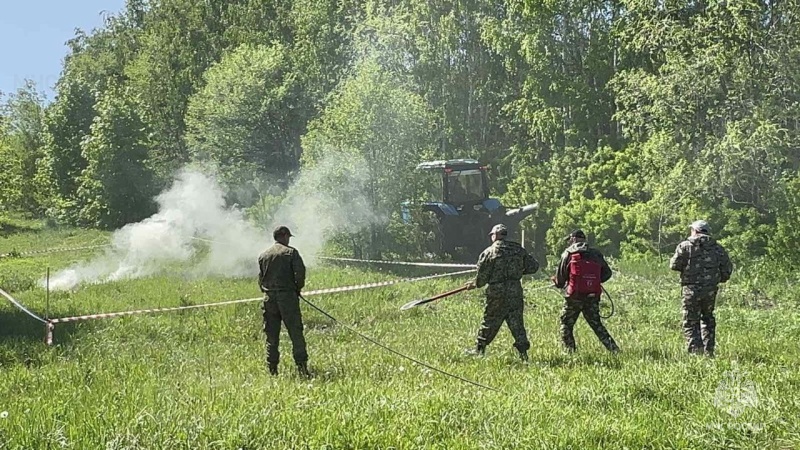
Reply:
x=459, y=209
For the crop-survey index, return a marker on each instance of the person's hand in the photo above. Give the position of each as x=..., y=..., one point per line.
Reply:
x=470, y=285
x=553, y=279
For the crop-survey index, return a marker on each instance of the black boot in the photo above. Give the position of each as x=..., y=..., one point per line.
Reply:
x=302, y=370
x=523, y=355
x=479, y=350
x=273, y=368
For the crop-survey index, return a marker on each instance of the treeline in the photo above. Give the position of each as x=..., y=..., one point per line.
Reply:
x=629, y=118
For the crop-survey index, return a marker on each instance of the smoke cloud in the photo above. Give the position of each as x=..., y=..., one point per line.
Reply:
x=194, y=233
x=330, y=197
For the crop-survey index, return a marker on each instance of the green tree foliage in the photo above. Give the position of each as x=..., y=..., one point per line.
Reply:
x=179, y=40
x=786, y=232
x=116, y=187
x=373, y=117
x=245, y=119
x=712, y=102
x=95, y=61
x=627, y=118
x=67, y=122
x=21, y=142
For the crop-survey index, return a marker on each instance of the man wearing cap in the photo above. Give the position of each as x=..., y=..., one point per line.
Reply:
x=282, y=276
x=703, y=264
x=581, y=272
x=500, y=268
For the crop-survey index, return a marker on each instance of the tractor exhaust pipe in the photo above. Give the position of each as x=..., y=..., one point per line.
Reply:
x=517, y=214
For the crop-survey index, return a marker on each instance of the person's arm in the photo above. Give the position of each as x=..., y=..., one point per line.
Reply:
x=562, y=273
x=725, y=265
x=678, y=261
x=262, y=272
x=605, y=269
x=485, y=267
x=529, y=264
x=299, y=269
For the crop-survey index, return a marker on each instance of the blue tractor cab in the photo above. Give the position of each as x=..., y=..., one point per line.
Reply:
x=457, y=192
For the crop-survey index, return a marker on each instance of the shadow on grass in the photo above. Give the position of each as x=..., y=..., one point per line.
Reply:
x=7, y=229
x=753, y=357
x=605, y=360
x=319, y=374
x=22, y=339
x=325, y=374
x=656, y=354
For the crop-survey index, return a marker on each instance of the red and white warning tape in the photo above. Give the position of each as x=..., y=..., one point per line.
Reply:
x=52, y=250
x=50, y=324
x=397, y=263
x=328, y=258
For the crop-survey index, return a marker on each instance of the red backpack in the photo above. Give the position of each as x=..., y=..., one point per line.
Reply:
x=584, y=276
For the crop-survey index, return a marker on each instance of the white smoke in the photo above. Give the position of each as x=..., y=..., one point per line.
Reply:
x=195, y=234
x=330, y=197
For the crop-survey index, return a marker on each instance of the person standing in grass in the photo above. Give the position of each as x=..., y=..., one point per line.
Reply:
x=500, y=268
x=580, y=273
x=281, y=277
x=703, y=264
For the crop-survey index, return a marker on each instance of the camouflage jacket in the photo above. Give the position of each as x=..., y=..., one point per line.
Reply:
x=701, y=260
x=502, y=265
x=281, y=269
x=562, y=273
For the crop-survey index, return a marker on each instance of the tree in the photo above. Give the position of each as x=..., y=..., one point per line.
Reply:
x=373, y=117
x=116, y=187
x=95, y=61
x=245, y=119
x=21, y=142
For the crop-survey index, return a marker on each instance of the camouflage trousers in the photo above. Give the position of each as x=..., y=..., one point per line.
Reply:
x=503, y=309
x=699, y=324
x=284, y=307
x=590, y=307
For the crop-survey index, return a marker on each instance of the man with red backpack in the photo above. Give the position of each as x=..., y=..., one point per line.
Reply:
x=580, y=273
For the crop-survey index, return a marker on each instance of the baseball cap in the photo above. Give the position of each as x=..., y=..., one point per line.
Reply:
x=281, y=231
x=701, y=226
x=576, y=234
x=499, y=229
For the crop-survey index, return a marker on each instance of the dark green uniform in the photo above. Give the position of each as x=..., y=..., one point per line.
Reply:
x=576, y=304
x=703, y=264
x=500, y=268
x=282, y=276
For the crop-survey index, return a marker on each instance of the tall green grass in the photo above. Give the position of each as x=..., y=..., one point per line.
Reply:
x=197, y=379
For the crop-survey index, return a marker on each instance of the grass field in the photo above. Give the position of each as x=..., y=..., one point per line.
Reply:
x=197, y=379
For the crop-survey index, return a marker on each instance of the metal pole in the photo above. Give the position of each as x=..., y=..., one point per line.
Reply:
x=47, y=295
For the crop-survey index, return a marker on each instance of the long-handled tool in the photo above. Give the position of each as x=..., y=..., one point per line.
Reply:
x=422, y=301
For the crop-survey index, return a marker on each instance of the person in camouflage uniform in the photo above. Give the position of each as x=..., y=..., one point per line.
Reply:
x=500, y=268
x=282, y=276
x=703, y=264
x=588, y=304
